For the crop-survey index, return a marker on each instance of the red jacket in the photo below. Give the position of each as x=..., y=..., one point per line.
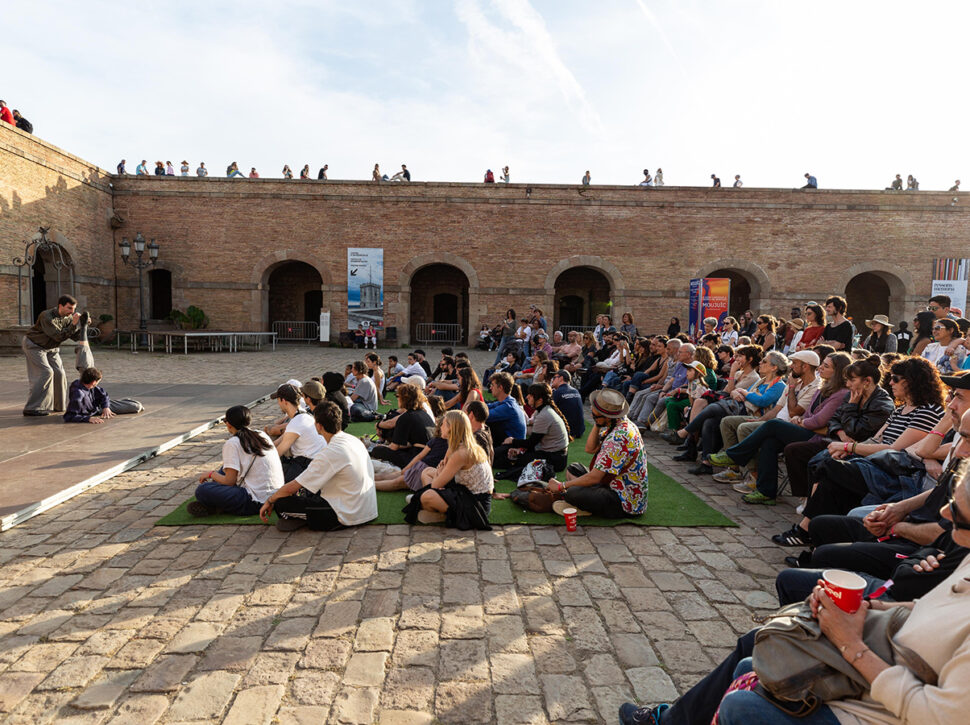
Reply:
x=6, y=115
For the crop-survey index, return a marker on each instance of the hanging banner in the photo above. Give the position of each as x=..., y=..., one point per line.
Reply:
x=950, y=279
x=709, y=297
x=365, y=287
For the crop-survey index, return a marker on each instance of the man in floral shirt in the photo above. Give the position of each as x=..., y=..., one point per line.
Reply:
x=617, y=486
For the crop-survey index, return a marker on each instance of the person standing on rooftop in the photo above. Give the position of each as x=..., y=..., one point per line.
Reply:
x=586, y=178
x=716, y=182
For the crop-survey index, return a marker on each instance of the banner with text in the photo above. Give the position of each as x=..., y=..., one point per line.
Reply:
x=365, y=287
x=950, y=279
x=709, y=297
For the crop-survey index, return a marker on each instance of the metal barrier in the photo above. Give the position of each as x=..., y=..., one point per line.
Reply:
x=566, y=329
x=296, y=331
x=429, y=332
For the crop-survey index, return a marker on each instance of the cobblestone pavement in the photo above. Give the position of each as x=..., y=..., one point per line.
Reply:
x=105, y=618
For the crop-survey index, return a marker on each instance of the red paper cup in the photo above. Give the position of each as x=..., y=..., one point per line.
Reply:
x=570, y=516
x=844, y=588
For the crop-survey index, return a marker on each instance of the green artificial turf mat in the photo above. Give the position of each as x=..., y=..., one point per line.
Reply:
x=670, y=504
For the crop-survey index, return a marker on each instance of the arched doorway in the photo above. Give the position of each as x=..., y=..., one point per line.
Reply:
x=160, y=293
x=439, y=304
x=294, y=292
x=52, y=275
x=867, y=294
x=740, y=300
x=582, y=293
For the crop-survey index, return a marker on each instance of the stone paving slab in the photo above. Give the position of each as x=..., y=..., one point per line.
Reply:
x=105, y=618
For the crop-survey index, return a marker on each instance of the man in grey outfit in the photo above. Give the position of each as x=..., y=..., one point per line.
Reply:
x=41, y=346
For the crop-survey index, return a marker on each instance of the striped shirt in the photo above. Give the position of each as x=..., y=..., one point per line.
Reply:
x=924, y=418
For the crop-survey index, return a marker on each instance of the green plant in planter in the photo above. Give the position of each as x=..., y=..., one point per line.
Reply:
x=192, y=319
x=105, y=317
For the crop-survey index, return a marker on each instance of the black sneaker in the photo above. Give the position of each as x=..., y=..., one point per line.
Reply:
x=285, y=524
x=795, y=536
x=686, y=456
x=802, y=561
x=630, y=714
x=701, y=469
x=199, y=509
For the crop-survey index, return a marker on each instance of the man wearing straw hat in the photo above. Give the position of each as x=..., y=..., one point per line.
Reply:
x=882, y=338
x=616, y=487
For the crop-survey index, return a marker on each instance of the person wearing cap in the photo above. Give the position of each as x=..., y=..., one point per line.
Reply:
x=881, y=339
x=569, y=401
x=275, y=429
x=797, y=328
x=616, y=485
x=803, y=421
x=300, y=440
x=184, y=168
x=251, y=471
x=337, y=488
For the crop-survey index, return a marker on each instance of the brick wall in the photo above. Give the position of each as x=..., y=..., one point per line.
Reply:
x=222, y=238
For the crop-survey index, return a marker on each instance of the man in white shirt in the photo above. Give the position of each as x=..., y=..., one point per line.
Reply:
x=336, y=490
x=300, y=440
x=413, y=368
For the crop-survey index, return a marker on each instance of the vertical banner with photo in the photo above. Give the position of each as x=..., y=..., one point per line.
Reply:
x=709, y=297
x=365, y=287
x=950, y=279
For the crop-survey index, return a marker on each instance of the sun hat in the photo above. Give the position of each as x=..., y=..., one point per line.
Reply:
x=809, y=357
x=608, y=403
x=415, y=380
x=698, y=366
x=798, y=323
x=881, y=319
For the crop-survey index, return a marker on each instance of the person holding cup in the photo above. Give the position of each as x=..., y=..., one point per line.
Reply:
x=937, y=630
x=616, y=487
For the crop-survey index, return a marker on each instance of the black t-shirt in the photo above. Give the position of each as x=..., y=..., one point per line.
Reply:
x=412, y=428
x=335, y=396
x=840, y=333
x=483, y=436
x=427, y=368
x=569, y=401
x=407, y=174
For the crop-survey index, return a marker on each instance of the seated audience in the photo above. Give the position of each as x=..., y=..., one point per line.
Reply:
x=459, y=490
x=568, y=400
x=408, y=429
x=839, y=331
x=373, y=362
x=942, y=352
x=506, y=419
x=477, y=413
x=936, y=631
x=764, y=335
x=881, y=339
x=333, y=383
x=430, y=455
x=363, y=401
x=337, y=488
x=616, y=486
x=548, y=436
x=627, y=326
x=846, y=476
x=300, y=440
x=251, y=471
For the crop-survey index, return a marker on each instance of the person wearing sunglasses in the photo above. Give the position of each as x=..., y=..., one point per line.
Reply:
x=845, y=475
x=948, y=350
x=939, y=305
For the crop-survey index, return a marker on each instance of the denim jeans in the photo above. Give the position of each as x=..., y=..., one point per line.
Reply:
x=794, y=585
x=744, y=707
x=229, y=499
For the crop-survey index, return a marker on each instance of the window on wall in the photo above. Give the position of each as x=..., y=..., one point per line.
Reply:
x=160, y=289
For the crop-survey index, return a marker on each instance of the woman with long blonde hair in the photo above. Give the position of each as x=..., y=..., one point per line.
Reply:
x=459, y=490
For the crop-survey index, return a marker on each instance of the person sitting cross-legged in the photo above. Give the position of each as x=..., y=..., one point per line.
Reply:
x=251, y=471
x=337, y=488
x=459, y=490
x=364, y=398
x=616, y=487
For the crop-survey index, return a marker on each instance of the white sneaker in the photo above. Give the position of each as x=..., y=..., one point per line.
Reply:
x=407, y=499
x=744, y=487
x=800, y=508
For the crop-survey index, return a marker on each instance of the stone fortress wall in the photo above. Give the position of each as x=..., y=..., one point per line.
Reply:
x=252, y=251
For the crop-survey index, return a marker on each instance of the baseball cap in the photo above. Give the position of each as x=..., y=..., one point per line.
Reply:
x=286, y=392
x=957, y=382
x=809, y=357
x=564, y=374
x=313, y=389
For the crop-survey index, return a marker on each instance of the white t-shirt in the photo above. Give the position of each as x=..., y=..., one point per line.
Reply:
x=343, y=474
x=366, y=393
x=309, y=442
x=259, y=475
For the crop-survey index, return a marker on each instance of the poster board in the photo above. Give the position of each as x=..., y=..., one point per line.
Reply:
x=365, y=287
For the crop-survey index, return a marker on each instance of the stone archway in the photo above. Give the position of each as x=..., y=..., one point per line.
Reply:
x=870, y=290
x=581, y=293
x=401, y=310
x=263, y=271
x=759, y=286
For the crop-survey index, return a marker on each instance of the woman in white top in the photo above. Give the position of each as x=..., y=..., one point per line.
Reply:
x=946, y=357
x=729, y=332
x=300, y=441
x=459, y=489
x=250, y=472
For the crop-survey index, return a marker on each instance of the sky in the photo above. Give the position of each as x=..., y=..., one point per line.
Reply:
x=853, y=92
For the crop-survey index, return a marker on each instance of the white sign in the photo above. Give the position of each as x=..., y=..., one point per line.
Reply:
x=324, y=326
x=955, y=289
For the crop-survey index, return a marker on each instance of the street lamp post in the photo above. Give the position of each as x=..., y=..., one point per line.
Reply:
x=139, y=264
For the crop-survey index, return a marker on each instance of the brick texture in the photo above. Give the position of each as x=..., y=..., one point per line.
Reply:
x=223, y=239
